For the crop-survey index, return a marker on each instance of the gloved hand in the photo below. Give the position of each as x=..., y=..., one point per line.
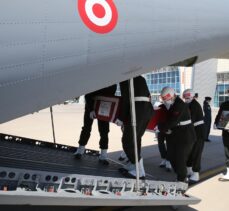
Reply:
x=118, y=122
x=92, y=115
x=215, y=127
x=168, y=132
x=156, y=106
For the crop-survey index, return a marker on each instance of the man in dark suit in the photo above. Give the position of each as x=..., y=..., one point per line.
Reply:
x=207, y=117
x=194, y=161
x=103, y=126
x=179, y=130
x=225, y=133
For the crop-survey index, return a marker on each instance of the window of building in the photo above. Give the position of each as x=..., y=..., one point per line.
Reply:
x=222, y=86
x=168, y=76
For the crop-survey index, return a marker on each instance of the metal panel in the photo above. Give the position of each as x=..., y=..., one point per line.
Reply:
x=49, y=38
x=31, y=170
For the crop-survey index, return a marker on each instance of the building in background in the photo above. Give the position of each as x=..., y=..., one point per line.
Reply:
x=211, y=78
x=208, y=78
x=179, y=78
x=156, y=80
x=204, y=79
x=222, y=85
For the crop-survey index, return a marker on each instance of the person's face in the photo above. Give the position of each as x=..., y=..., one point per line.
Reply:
x=187, y=100
x=169, y=102
x=187, y=96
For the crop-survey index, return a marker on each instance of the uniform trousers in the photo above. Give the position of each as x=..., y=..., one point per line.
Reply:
x=226, y=146
x=180, y=144
x=86, y=130
x=207, y=123
x=194, y=160
x=162, y=145
x=143, y=115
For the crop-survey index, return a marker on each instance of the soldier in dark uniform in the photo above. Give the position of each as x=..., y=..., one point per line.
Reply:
x=161, y=137
x=194, y=161
x=103, y=126
x=207, y=116
x=144, y=111
x=225, y=133
x=179, y=130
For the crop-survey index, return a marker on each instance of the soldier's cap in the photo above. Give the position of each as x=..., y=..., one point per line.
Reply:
x=208, y=98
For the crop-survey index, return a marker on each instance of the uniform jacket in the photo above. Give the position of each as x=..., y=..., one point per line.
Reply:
x=178, y=113
x=197, y=116
x=140, y=90
x=207, y=111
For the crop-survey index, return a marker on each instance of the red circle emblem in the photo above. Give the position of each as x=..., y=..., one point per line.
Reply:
x=100, y=16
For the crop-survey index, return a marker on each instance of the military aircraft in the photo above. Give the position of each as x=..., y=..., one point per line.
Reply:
x=55, y=50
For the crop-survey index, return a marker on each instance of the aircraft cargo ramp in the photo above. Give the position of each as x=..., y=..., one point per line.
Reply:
x=33, y=172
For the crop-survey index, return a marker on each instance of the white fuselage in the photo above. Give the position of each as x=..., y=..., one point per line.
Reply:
x=48, y=54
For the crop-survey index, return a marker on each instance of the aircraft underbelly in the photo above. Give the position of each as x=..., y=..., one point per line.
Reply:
x=49, y=52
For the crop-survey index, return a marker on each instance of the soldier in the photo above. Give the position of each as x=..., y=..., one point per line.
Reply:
x=225, y=133
x=161, y=137
x=103, y=126
x=207, y=117
x=194, y=161
x=180, y=132
x=143, y=115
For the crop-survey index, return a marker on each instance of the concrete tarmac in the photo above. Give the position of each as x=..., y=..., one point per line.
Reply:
x=68, y=120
